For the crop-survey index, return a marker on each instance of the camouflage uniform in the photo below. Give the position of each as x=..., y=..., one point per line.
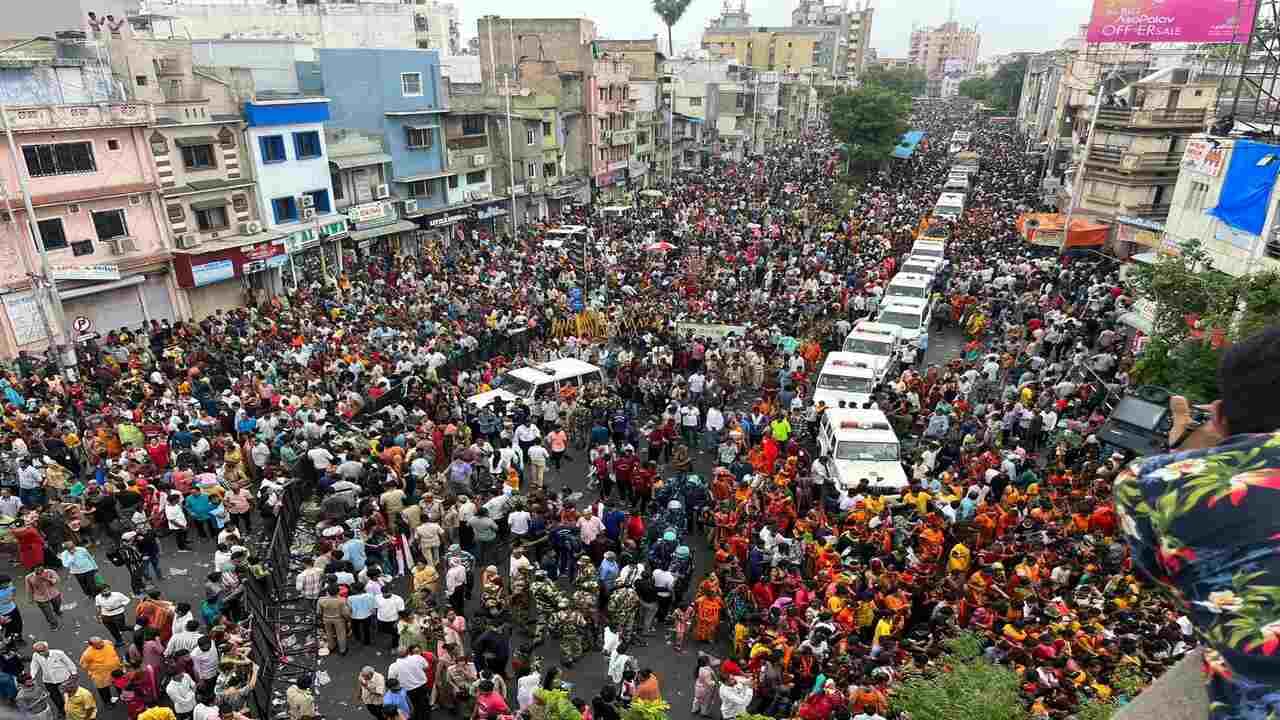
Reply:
x=586, y=598
x=522, y=599
x=624, y=613
x=571, y=627
x=546, y=599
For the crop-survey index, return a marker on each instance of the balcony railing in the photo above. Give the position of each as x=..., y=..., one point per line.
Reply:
x=1152, y=117
x=168, y=66
x=1120, y=157
x=79, y=117
x=1149, y=210
x=467, y=142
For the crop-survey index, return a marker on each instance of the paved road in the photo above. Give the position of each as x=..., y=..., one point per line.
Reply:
x=336, y=699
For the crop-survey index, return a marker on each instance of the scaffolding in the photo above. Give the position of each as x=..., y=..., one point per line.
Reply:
x=1249, y=92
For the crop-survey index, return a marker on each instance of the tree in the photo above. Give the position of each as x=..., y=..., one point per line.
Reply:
x=908, y=81
x=966, y=685
x=670, y=11
x=870, y=120
x=1006, y=85
x=978, y=88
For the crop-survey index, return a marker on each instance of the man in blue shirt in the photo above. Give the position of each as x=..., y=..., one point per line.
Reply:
x=396, y=698
x=362, y=606
x=9, y=608
x=80, y=563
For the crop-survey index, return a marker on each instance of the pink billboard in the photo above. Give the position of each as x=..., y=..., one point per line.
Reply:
x=1192, y=21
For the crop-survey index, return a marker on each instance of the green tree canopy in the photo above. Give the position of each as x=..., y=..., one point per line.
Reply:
x=906, y=81
x=670, y=11
x=978, y=88
x=965, y=686
x=870, y=120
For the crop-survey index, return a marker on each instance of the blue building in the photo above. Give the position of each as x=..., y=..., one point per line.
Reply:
x=286, y=140
x=400, y=95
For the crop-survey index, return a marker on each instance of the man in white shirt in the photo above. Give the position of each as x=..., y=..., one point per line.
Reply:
x=689, y=417
x=735, y=696
x=321, y=458
x=715, y=424
x=51, y=667
x=537, y=457
x=389, y=605
x=518, y=522
x=111, y=609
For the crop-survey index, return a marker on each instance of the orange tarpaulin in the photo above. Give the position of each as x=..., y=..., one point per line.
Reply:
x=1046, y=229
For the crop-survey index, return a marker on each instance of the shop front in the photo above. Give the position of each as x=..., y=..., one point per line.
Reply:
x=488, y=215
x=376, y=232
x=313, y=254
x=231, y=276
x=611, y=185
x=566, y=193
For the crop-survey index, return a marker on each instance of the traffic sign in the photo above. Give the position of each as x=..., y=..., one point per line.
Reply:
x=83, y=324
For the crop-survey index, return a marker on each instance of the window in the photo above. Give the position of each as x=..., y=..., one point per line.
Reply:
x=453, y=182
x=472, y=124
x=549, y=169
x=113, y=145
x=285, y=209
x=530, y=136
x=82, y=247
x=419, y=189
x=695, y=102
x=51, y=232
x=319, y=200
x=420, y=137
x=531, y=170
x=306, y=145
x=336, y=182
x=411, y=84
x=59, y=159
x=547, y=130
x=198, y=157
x=1196, y=196
x=240, y=203
x=140, y=80
x=476, y=177
x=110, y=224
x=214, y=218
x=272, y=148
x=176, y=214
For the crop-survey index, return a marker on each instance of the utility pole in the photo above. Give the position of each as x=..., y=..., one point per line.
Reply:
x=511, y=157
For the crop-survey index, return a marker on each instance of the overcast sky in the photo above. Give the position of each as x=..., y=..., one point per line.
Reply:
x=1006, y=25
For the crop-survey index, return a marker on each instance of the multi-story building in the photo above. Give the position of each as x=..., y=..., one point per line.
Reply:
x=784, y=49
x=613, y=137
x=286, y=139
x=360, y=171
x=644, y=60
x=399, y=95
x=214, y=222
x=83, y=151
x=1039, y=91
x=504, y=41
x=853, y=36
x=1131, y=166
x=932, y=47
x=1200, y=188
x=426, y=24
x=893, y=63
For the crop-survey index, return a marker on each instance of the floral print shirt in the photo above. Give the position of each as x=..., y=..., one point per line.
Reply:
x=1205, y=525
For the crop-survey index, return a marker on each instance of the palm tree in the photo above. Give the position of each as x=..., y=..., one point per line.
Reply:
x=670, y=11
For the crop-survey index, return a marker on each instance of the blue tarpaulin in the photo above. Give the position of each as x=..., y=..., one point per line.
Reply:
x=1246, y=191
x=907, y=145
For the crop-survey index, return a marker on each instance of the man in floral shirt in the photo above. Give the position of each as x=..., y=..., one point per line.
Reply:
x=1204, y=522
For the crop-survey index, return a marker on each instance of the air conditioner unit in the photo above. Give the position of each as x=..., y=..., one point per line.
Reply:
x=213, y=236
x=73, y=208
x=135, y=200
x=308, y=213
x=381, y=191
x=252, y=227
x=479, y=159
x=410, y=206
x=187, y=241
x=306, y=201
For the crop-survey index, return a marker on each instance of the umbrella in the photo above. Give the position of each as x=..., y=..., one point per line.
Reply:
x=661, y=246
x=651, y=193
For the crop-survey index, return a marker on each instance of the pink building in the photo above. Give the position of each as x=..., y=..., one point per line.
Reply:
x=93, y=185
x=613, y=133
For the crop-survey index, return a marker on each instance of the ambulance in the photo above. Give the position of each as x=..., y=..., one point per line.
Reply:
x=864, y=450
x=913, y=317
x=878, y=345
x=844, y=378
x=540, y=381
x=907, y=285
x=921, y=265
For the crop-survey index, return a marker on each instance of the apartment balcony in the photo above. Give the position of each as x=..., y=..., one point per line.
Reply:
x=619, y=137
x=1151, y=211
x=169, y=67
x=468, y=159
x=475, y=141
x=1154, y=118
x=79, y=117
x=1119, y=157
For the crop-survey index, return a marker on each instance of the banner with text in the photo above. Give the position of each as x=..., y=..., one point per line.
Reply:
x=1191, y=21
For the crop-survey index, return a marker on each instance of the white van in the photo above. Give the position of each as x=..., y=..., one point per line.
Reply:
x=863, y=448
x=949, y=205
x=929, y=248
x=956, y=183
x=844, y=377
x=908, y=285
x=921, y=265
x=878, y=346
x=913, y=316
x=528, y=383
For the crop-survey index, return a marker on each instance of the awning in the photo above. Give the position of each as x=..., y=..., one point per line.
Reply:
x=423, y=176
x=343, y=163
x=395, y=227
x=1136, y=321
x=209, y=204
x=416, y=126
x=193, y=141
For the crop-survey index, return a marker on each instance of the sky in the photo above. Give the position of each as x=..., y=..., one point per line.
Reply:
x=1006, y=25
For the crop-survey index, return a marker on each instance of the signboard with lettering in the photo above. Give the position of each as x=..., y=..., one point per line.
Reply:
x=101, y=271
x=446, y=220
x=1182, y=21
x=25, y=318
x=212, y=272
x=1203, y=157
x=367, y=212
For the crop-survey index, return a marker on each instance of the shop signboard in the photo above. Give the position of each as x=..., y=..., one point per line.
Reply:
x=368, y=212
x=446, y=220
x=1203, y=157
x=1182, y=21
x=212, y=272
x=98, y=272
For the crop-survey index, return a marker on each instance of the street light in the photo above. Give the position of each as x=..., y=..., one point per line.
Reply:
x=51, y=286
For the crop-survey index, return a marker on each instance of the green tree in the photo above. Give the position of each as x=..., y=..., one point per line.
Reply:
x=978, y=88
x=1006, y=85
x=905, y=81
x=966, y=686
x=670, y=11
x=869, y=120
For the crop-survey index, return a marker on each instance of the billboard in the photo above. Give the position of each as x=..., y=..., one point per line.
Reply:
x=1193, y=21
x=1203, y=157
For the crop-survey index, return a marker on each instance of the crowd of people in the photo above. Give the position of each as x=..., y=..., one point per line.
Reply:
x=467, y=539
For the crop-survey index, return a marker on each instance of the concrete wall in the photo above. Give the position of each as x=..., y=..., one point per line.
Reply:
x=50, y=16
x=330, y=25
x=57, y=85
x=567, y=41
x=270, y=63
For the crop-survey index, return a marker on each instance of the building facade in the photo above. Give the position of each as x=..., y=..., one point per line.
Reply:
x=932, y=47
x=853, y=26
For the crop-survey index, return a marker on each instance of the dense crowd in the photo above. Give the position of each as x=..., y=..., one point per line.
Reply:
x=458, y=537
